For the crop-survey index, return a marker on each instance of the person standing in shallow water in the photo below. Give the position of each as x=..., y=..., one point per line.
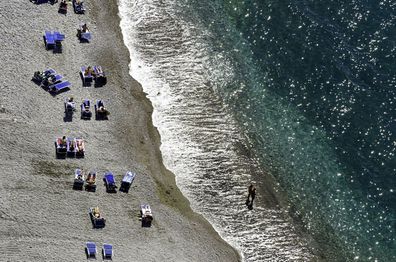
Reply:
x=251, y=196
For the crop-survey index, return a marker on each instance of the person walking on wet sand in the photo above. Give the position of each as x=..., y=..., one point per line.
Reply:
x=251, y=196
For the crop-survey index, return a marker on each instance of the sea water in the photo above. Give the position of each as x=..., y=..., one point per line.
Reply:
x=300, y=90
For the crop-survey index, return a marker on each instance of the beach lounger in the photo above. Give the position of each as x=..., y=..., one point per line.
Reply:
x=49, y=40
x=59, y=87
x=87, y=75
x=98, y=221
x=83, y=35
x=80, y=146
x=86, y=109
x=146, y=215
x=127, y=181
x=62, y=7
x=70, y=107
x=107, y=252
x=110, y=183
x=90, y=184
x=78, y=7
x=60, y=147
x=78, y=179
x=100, y=77
x=71, y=147
x=90, y=250
x=101, y=113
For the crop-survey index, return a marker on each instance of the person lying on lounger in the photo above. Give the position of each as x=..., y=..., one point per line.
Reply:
x=80, y=146
x=71, y=145
x=96, y=212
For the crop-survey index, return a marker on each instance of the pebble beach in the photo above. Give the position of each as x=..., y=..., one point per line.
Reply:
x=41, y=217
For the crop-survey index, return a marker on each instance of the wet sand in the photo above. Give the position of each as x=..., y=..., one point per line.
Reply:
x=41, y=217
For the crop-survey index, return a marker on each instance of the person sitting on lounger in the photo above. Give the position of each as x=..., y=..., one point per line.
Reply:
x=70, y=104
x=89, y=71
x=63, y=141
x=63, y=4
x=84, y=28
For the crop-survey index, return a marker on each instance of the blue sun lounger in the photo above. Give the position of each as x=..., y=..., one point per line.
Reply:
x=127, y=181
x=62, y=86
x=49, y=71
x=87, y=76
x=110, y=184
x=90, y=250
x=107, y=251
x=49, y=40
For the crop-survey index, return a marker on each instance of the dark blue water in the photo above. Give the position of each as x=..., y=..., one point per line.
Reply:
x=316, y=94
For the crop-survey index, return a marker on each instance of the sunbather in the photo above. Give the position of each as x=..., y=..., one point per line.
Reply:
x=71, y=145
x=100, y=104
x=89, y=71
x=84, y=28
x=102, y=110
x=91, y=178
x=63, y=141
x=96, y=212
x=80, y=146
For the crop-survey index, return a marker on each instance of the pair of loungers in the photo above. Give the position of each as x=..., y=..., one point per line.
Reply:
x=126, y=182
x=91, y=73
x=51, y=81
x=80, y=179
x=91, y=251
x=53, y=40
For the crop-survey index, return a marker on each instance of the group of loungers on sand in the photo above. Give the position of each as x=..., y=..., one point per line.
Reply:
x=74, y=147
x=69, y=147
x=51, y=81
x=78, y=5
x=101, y=112
x=54, y=83
x=82, y=179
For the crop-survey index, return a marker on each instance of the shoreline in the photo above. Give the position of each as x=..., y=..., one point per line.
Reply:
x=128, y=139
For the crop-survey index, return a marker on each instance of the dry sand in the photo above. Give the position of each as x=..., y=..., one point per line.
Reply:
x=41, y=217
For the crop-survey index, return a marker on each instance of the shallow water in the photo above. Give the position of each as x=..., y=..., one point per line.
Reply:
x=303, y=90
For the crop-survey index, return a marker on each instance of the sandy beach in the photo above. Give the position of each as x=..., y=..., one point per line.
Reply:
x=41, y=217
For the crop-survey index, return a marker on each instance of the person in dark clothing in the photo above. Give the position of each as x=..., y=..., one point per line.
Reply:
x=251, y=196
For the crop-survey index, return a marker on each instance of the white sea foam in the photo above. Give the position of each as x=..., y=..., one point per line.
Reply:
x=199, y=138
